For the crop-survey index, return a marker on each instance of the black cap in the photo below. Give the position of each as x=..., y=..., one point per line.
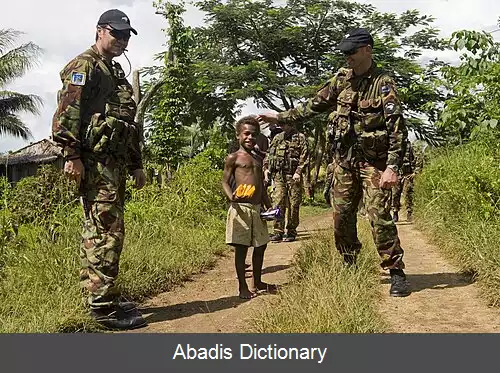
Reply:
x=116, y=19
x=354, y=39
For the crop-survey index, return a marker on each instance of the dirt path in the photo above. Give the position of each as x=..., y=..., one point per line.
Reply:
x=209, y=302
x=443, y=300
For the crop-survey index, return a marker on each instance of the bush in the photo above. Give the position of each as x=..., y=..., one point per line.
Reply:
x=37, y=198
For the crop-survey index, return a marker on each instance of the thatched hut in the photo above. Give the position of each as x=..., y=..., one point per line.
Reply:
x=25, y=161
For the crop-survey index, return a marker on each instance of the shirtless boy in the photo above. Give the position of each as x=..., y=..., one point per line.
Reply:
x=244, y=226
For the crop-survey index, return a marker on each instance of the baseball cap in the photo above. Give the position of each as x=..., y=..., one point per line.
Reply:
x=356, y=38
x=117, y=20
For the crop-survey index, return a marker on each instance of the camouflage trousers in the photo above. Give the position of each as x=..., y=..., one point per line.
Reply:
x=348, y=188
x=405, y=186
x=103, y=231
x=287, y=195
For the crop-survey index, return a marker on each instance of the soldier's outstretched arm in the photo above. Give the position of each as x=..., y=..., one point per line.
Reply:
x=324, y=100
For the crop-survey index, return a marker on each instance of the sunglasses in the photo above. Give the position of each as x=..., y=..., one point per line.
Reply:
x=118, y=34
x=351, y=52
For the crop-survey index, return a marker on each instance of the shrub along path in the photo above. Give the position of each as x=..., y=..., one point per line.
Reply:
x=443, y=299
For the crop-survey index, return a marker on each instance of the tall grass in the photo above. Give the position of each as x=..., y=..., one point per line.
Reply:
x=323, y=296
x=458, y=204
x=171, y=233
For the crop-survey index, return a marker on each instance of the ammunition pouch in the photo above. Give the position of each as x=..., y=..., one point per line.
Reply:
x=107, y=136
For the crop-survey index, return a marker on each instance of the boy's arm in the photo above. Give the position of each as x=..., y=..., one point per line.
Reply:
x=228, y=171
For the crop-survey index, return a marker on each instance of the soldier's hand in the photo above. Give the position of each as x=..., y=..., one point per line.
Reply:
x=388, y=179
x=268, y=118
x=266, y=177
x=296, y=177
x=326, y=195
x=74, y=170
x=140, y=178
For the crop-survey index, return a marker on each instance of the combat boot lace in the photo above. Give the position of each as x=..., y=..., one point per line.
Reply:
x=115, y=318
x=399, y=285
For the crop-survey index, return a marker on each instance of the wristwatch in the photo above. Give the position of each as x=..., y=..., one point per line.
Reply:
x=394, y=168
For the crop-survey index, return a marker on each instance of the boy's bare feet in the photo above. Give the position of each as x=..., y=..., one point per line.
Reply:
x=247, y=294
x=264, y=287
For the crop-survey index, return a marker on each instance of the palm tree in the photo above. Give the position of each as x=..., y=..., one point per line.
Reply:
x=14, y=62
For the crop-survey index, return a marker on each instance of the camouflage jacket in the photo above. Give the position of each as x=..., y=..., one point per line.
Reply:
x=288, y=153
x=95, y=111
x=419, y=156
x=330, y=169
x=409, y=161
x=366, y=116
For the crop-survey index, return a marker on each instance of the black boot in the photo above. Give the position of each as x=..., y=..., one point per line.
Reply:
x=276, y=237
x=409, y=217
x=117, y=319
x=395, y=216
x=289, y=237
x=399, y=285
x=127, y=306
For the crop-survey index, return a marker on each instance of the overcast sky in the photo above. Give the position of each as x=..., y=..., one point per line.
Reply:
x=65, y=28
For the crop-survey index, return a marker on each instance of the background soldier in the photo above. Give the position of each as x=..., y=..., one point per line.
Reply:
x=328, y=183
x=405, y=184
x=287, y=158
x=94, y=123
x=369, y=138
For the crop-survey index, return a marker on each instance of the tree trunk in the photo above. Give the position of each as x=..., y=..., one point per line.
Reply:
x=320, y=151
x=136, y=86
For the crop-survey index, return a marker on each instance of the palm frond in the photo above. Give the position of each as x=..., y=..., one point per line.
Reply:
x=8, y=38
x=13, y=103
x=17, y=61
x=13, y=126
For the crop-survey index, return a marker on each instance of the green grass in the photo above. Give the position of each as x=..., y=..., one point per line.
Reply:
x=458, y=206
x=171, y=234
x=323, y=296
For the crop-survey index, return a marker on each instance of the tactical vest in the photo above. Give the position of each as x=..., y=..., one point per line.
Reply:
x=284, y=155
x=360, y=129
x=108, y=130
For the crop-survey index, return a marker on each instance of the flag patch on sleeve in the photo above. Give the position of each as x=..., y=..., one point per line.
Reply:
x=78, y=78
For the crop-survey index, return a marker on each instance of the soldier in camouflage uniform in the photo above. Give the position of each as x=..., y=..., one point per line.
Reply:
x=286, y=160
x=370, y=134
x=405, y=185
x=328, y=182
x=94, y=123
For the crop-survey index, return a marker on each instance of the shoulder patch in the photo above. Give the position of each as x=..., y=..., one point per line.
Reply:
x=78, y=78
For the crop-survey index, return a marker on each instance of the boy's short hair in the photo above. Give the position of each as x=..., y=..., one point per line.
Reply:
x=249, y=119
